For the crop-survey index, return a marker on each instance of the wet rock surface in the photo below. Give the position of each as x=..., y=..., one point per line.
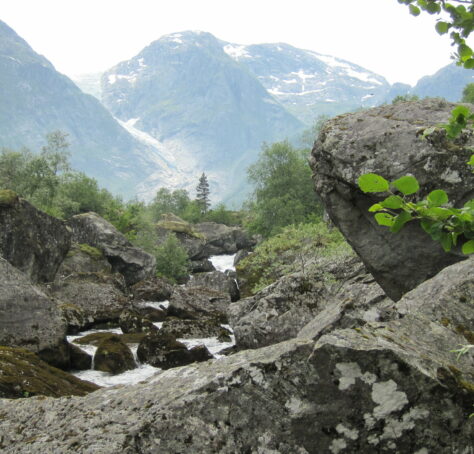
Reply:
x=161, y=349
x=386, y=140
x=133, y=263
x=113, y=356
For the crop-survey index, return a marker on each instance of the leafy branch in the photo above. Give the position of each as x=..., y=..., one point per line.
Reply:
x=459, y=23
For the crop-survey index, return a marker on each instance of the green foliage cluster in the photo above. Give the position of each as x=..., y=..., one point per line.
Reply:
x=283, y=190
x=405, y=98
x=459, y=23
x=442, y=222
x=291, y=250
x=468, y=94
x=172, y=260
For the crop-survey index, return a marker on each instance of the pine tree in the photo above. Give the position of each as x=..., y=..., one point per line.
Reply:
x=202, y=193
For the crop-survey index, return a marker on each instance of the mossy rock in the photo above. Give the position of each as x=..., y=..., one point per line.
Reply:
x=96, y=338
x=91, y=251
x=7, y=197
x=113, y=356
x=24, y=374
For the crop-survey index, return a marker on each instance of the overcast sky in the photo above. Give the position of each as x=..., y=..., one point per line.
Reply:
x=82, y=36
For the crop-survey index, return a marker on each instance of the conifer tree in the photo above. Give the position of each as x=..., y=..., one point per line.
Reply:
x=202, y=193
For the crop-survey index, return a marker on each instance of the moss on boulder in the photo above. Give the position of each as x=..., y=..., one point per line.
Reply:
x=7, y=197
x=113, y=356
x=24, y=374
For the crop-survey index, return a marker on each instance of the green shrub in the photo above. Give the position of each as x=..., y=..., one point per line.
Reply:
x=290, y=251
x=172, y=260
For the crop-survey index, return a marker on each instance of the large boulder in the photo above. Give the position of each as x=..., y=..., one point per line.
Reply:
x=89, y=298
x=153, y=289
x=222, y=239
x=216, y=280
x=28, y=318
x=198, y=302
x=132, y=262
x=278, y=312
x=23, y=374
x=161, y=349
x=206, y=238
x=31, y=240
x=386, y=140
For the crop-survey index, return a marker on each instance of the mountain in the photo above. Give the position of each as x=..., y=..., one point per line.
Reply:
x=447, y=83
x=35, y=100
x=310, y=84
x=89, y=83
x=185, y=91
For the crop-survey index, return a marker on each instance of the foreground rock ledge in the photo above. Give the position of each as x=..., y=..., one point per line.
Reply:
x=350, y=392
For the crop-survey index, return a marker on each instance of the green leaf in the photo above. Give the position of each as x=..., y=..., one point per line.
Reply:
x=465, y=52
x=442, y=27
x=460, y=110
x=375, y=207
x=438, y=213
x=433, y=7
x=469, y=63
x=400, y=221
x=468, y=247
x=393, y=202
x=471, y=161
x=414, y=10
x=446, y=241
x=371, y=182
x=407, y=185
x=437, y=198
x=469, y=204
x=384, y=219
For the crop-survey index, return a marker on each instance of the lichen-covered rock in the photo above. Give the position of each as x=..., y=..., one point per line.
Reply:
x=191, y=329
x=161, y=349
x=31, y=240
x=206, y=238
x=447, y=299
x=281, y=310
x=345, y=394
x=131, y=321
x=153, y=289
x=193, y=303
x=222, y=239
x=90, y=298
x=133, y=263
x=83, y=258
x=28, y=318
x=216, y=280
x=113, y=356
x=23, y=374
x=386, y=140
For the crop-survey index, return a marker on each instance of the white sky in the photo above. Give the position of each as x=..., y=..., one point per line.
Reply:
x=82, y=36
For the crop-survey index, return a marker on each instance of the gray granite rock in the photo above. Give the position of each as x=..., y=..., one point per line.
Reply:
x=386, y=140
x=133, y=263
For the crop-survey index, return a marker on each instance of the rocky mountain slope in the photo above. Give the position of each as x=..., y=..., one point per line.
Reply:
x=447, y=83
x=310, y=84
x=35, y=100
x=184, y=91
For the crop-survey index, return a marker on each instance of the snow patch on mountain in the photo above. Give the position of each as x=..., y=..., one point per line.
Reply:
x=236, y=51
